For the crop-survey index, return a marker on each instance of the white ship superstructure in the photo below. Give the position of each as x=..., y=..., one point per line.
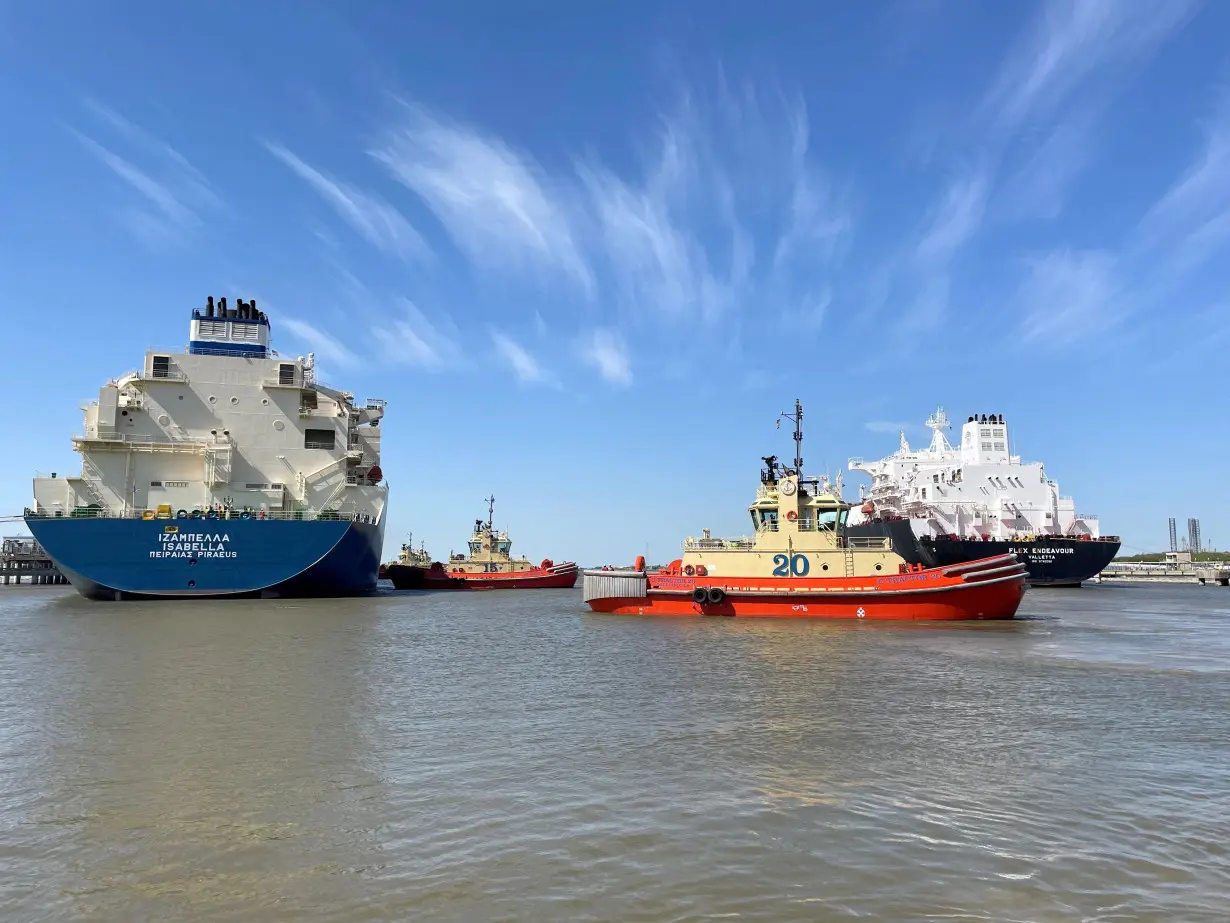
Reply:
x=976, y=490
x=227, y=425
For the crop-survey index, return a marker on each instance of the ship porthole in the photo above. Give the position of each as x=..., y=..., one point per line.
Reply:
x=181, y=397
x=279, y=425
x=163, y=419
x=234, y=400
x=879, y=567
x=265, y=401
x=825, y=567
x=212, y=399
x=191, y=584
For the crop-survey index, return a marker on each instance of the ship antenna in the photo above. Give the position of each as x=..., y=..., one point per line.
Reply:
x=490, y=510
x=797, y=417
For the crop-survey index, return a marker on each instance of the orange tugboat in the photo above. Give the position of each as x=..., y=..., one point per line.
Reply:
x=798, y=564
x=489, y=566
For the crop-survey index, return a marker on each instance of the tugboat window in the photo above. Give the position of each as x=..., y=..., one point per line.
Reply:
x=319, y=439
x=286, y=374
x=827, y=520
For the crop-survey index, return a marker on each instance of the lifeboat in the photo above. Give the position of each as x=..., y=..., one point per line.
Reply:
x=798, y=563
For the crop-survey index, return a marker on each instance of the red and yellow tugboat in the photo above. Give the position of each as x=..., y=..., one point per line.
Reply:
x=488, y=566
x=798, y=564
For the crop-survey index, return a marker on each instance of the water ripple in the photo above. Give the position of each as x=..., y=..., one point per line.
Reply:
x=509, y=758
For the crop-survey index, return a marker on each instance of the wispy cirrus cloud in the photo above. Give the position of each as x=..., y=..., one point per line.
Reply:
x=410, y=338
x=496, y=203
x=370, y=216
x=671, y=240
x=527, y=369
x=1068, y=295
x=605, y=351
x=173, y=194
x=323, y=344
x=955, y=220
x=888, y=426
x=1070, y=43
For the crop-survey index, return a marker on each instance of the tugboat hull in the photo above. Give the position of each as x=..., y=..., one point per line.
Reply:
x=991, y=588
x=409, y=577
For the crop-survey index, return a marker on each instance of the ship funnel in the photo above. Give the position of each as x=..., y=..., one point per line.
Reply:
x=209, y=306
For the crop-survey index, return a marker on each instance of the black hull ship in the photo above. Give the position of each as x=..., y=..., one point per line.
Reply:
x=1050, y=560
x=952, y=504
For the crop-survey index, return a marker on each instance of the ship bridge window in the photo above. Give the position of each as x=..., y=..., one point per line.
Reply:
x=475, y=547
x=286, y=373
x=504, y=547
x=765, y=519
x=319, y=439
x=162, y=367
x=826, y=520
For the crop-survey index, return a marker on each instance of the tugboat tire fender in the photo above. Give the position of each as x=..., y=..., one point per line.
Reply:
x=700, y=595
x=716, y=595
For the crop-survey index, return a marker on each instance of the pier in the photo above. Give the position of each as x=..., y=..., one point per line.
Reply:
x=1176, y=567
x=22, y=560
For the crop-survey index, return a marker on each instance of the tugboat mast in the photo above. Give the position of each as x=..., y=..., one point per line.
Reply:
x=490, y=510
x=797, y=417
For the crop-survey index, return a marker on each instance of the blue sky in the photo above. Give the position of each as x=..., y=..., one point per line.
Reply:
x=588, y=252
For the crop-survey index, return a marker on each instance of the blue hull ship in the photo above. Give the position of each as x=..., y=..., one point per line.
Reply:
x=225, y=470
x=112, y=559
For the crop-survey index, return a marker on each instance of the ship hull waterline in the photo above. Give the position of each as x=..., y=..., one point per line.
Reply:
x=410, y=577
x=121, y=559
x=987, y=590
x=1050, y=561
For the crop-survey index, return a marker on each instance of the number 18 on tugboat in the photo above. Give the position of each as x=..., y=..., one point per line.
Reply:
x=797, y=563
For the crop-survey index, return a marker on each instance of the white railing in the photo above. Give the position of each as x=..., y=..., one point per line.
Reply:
x=138, y=441
x=866, y=541
x=1087, y=517
x=172, y=374
x=204, y=516
x=719, y=544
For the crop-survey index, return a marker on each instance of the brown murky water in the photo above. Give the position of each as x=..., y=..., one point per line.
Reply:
x=512, y=757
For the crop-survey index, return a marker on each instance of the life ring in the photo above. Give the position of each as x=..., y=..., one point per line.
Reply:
x=689, y=570
x=195, y=514
x=245, y=515
x=211, y=514
x=182, y=514
x=147, y=514
x=701, y=570
x=792, y=515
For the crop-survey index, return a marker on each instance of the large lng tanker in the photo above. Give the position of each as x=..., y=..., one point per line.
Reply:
x=798, y=563
x=488, y=566
x=947, y=505
x=225, y=470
